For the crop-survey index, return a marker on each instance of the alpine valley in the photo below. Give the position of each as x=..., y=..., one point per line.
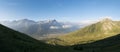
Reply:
x=103, y=36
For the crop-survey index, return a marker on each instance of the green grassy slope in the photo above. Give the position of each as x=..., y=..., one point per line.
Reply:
x=100, y=30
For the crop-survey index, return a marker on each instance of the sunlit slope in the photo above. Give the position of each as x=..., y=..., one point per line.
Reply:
x=100, y=30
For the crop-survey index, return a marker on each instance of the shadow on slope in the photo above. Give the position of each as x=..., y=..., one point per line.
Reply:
x=13, y=41
x=111, y=44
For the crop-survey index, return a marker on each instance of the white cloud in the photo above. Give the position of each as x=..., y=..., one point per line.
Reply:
x=87, y=22
x=66, y=26
x=104, y=17
x=54, y=27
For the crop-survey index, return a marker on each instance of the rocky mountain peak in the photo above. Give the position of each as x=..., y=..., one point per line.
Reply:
x=106, y=20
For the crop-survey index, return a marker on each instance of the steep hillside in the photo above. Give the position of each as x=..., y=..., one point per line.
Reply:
x=100, y=30
x=13, y=41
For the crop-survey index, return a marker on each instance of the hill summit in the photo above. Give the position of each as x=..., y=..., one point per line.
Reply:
x=108, y=24
x=103, y=26
x=100, y=30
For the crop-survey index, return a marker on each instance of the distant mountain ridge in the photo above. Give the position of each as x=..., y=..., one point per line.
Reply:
x=100, y=30
x=40, y=28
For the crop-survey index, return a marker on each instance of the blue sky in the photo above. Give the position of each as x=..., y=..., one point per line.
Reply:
x=62, y=10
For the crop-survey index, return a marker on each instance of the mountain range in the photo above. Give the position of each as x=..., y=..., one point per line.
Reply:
x=41, y=28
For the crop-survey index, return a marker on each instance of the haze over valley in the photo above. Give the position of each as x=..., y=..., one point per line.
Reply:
x=39, y=29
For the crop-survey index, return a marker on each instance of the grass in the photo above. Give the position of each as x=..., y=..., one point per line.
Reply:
x=91, y=33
